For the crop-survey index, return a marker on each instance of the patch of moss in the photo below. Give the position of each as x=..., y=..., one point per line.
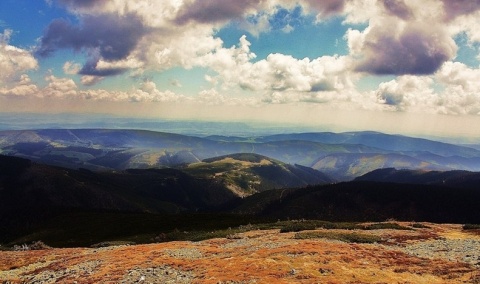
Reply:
x=471, y=227
x=383, y=226
x=419, y=226
x=344, y=237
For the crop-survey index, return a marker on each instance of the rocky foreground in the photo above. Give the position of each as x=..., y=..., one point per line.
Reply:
x=431, y=254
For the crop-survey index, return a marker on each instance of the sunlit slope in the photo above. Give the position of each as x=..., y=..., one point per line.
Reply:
x=247, y=173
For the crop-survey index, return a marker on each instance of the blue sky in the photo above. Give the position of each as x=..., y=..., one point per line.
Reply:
x=343, y=64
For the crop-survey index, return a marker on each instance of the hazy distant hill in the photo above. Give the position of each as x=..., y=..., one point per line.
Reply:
x=378, y=140
x=123, y=149
x=344, y=155
x=345, y=166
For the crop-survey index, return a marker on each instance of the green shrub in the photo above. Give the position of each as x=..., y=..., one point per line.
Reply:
x=382, y=226
x=297, y=227
x=196, y=236
x=301, y=225
x=344, y=237
x=112, y=243
x=37, y=245
x=471, y=227
x=419, y=226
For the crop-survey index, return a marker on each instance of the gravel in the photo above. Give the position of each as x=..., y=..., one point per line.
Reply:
x=184, y=253
x=467, y=251
x=163, y=274
x=79, y=270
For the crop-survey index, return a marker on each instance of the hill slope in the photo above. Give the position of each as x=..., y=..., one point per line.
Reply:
x=31, y=193
x=247, y=173
x=463, y=179
x=368, y=201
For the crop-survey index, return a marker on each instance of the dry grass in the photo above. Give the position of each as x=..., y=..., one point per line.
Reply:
x=261, y=256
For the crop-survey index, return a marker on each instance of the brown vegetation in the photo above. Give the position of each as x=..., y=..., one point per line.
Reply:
x=264, y=256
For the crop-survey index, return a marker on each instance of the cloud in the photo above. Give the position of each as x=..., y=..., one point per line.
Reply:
x=148, y=92
x=214, y=11
x=71, y=68
x=211, y=97
x=80, y=3
x=395, y=37
x=91, y=69
x=415, y=49
x=462, y=88
x=90, y=80
x=14, y=61
x=456, y=8
x=304, y=79
x=67, y=90
x=407, y=92
x=257, y=24
x=467, y=24
x=454, y=89
x=121, y=35
x=59, y=87
x=326, y=8
x=22, y=88
x=108, y=37
x=459, y=75
x=398, y=8
x=402, y=37
x=284, y=73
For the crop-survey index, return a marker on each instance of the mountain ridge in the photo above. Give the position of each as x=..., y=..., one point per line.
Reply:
x=116, y=149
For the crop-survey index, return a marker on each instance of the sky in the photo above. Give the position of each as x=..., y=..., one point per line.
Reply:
x=396, y=66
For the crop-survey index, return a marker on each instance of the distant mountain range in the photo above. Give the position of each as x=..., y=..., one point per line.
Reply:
x=37, y=198
x=343, y=156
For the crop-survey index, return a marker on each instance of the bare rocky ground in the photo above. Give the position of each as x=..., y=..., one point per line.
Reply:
x=437, y=254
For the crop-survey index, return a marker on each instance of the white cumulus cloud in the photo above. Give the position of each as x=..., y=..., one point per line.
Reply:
x=14, y=61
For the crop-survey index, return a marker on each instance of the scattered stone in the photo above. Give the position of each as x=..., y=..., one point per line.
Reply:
x=324, y=271
x=184, y=253
x=463, y=250
x=163, y=274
